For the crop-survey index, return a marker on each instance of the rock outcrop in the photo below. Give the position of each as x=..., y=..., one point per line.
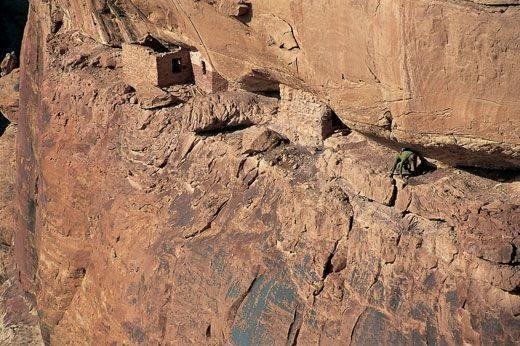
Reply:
x=10, y=89
x=441, y=77
x=208, y=221
x=8, y=64
x=19, y=323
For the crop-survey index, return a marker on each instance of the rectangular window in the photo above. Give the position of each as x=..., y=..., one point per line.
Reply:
x=176, y=66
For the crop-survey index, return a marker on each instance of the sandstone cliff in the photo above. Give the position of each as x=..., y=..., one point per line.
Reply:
x=242, y=218
x=439, y=76
x=19, y=324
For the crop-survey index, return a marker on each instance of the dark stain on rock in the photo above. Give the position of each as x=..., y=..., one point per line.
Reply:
x=417, y=338
x=431, y=333
x=395, y=299
x=78, y=273
x=48, y=143
x=305, y=271
x=31, y=214
x=46, y=334
x=164, y=266
x=134, y=332
x=377, y=293
x=456, y=333
x=397, y=338
x=264, y=295
x=491, y=327
x=374, y=328
x=181, y=206
x=430, y=281
x=453, y=299
x=421, y=312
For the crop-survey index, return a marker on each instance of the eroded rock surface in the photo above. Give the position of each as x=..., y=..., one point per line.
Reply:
x=19, y=323
x=198, y=223
x=440, y=77
x=10, y=89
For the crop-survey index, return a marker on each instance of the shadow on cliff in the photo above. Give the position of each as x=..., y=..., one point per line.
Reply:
x=13, y=15
x=247, y=17
x=499, y=175
x=4, y=123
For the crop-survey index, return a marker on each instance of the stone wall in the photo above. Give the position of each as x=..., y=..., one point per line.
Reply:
x=166, y=76
x=141, y=64
x=209, y=80
x=302, y=118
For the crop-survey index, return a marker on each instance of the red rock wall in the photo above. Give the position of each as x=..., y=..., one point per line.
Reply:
x=444, y=75
x=135, y=229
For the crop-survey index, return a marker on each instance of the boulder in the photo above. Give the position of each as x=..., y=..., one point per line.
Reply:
x=9, y=95
x=151, y=97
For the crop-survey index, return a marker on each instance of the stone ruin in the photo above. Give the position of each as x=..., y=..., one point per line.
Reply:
x=206, y=77
x=315, y=120
x=150, y=61
x=153, y=62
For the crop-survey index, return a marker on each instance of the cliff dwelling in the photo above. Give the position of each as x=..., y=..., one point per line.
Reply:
x=316, y=121
x=254, y=178
x=206, y=77
x=151, y=61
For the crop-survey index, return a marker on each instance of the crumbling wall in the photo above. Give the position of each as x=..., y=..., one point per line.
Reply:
x=302, y=118
x=165, y=74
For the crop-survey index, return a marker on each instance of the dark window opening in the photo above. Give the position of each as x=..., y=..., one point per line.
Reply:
x=176, y=66
x=4, y=123
x=203, y=65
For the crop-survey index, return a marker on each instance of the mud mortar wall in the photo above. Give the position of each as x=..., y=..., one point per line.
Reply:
x=140, y=65
x=205, y=75
x=166, y=76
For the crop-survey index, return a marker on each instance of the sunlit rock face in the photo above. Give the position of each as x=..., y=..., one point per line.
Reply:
x=230, y=217
x=439, y=77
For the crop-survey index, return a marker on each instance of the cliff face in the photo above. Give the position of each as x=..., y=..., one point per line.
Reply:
x=441, y=77
x=192, y=218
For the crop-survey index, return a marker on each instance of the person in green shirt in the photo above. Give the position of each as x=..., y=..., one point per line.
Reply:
x=405, y=163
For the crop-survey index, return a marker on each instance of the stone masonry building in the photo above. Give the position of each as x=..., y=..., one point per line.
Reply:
x=206, y=77
x=150, y=61
x=315, y=120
